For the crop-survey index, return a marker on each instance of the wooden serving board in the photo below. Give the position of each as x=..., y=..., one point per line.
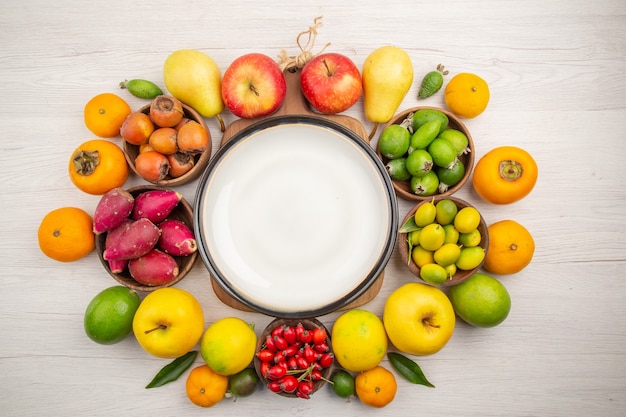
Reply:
x=296, y=104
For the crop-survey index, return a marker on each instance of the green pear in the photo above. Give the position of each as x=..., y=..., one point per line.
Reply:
x=194, y=78
x=387, y=78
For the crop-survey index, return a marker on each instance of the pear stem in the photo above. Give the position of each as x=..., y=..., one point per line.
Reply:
x=373, y=132
x=221, y=121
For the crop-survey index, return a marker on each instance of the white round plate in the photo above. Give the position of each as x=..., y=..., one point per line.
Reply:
x=295, y=216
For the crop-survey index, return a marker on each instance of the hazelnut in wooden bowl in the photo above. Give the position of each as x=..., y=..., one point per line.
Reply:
x=174, y=154
x=446, y=244
x=445, y=158
x=170, y=259
x=294, y=357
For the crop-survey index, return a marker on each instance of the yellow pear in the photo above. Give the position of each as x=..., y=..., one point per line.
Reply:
x=387, y=78
x=194, y=78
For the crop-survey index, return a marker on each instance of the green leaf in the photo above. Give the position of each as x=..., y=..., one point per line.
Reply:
x=173, y=370
x=408, y=226
x=408, y=369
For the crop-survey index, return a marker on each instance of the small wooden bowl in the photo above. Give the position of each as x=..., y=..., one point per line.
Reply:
x=200, y=160
x=403, y=188
x=182, y=212
x=460, y=275
x=309, y=324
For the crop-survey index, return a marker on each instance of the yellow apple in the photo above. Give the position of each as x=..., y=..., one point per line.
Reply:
x=419, y=319
x=169, y=322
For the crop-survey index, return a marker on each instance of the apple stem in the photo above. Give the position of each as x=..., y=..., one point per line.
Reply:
x=329, y=72
x=159, y=327
x=254, y=90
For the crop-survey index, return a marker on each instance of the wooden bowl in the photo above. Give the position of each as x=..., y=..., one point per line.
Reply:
x=182, y=212
x=403, y=188
x=200, y=160
x=460, y=275
x=309, y=324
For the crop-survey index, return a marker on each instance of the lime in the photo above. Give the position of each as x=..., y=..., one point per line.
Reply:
x=243, y=383
x=228, y=345
x=446, y=210
x=450, y=176
x=397, y=169
x=425, y=185
x=432, y=236
x=470, y=239
x=481, y=300
x=421, y=256
x=452, y=235
x=433, y=274
x=424, y=115
x=394, y=141
x=425, y=213
x=109, y=315
x=447, y=254
x=342, y=383
x=470, y=258
x=423, y=136
x=419, y=163
x=467, y=219
x=442, y=152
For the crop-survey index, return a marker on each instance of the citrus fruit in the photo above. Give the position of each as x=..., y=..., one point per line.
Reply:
x=228, y=345
x=105, y=113
x=421, y=256
x=205, y=387
x=432, y=236
x=467, y=95
x=394, y=141
x=467, y=219
x=243, y=383
x=66, y=234
x=469, y=239
x=359, y=340
x=470, y=258
x=511, y=248
x=505, y=175
x=452, y=235
x=481, y=300
x=447, y=254
x=425, y=213
x=376, y=387
x=445, y=210
x=433, y=273
x=109, y=315
x=342, y=383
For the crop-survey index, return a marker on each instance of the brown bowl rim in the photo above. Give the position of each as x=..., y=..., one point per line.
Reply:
x=201, y=160
x=460, y=275
x=185, y=263
x=309, y=323
x=403, y=188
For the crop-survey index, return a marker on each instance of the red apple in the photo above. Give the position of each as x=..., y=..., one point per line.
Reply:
x=253, y=86
x=331, y=83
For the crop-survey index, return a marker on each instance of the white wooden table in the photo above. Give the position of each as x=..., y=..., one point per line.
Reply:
x=557, y=75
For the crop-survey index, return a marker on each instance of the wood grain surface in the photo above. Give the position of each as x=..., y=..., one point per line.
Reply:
x=557, y=74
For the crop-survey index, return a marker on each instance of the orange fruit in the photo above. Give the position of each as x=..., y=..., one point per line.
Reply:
x=467, y=95
x=105, y=113
x=511, y=248
x=66, y=234
x=376, y=387
x=205, y=387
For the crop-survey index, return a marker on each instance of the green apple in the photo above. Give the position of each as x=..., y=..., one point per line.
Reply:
x=481, y=300
x=169, y=322
x=418, y=318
